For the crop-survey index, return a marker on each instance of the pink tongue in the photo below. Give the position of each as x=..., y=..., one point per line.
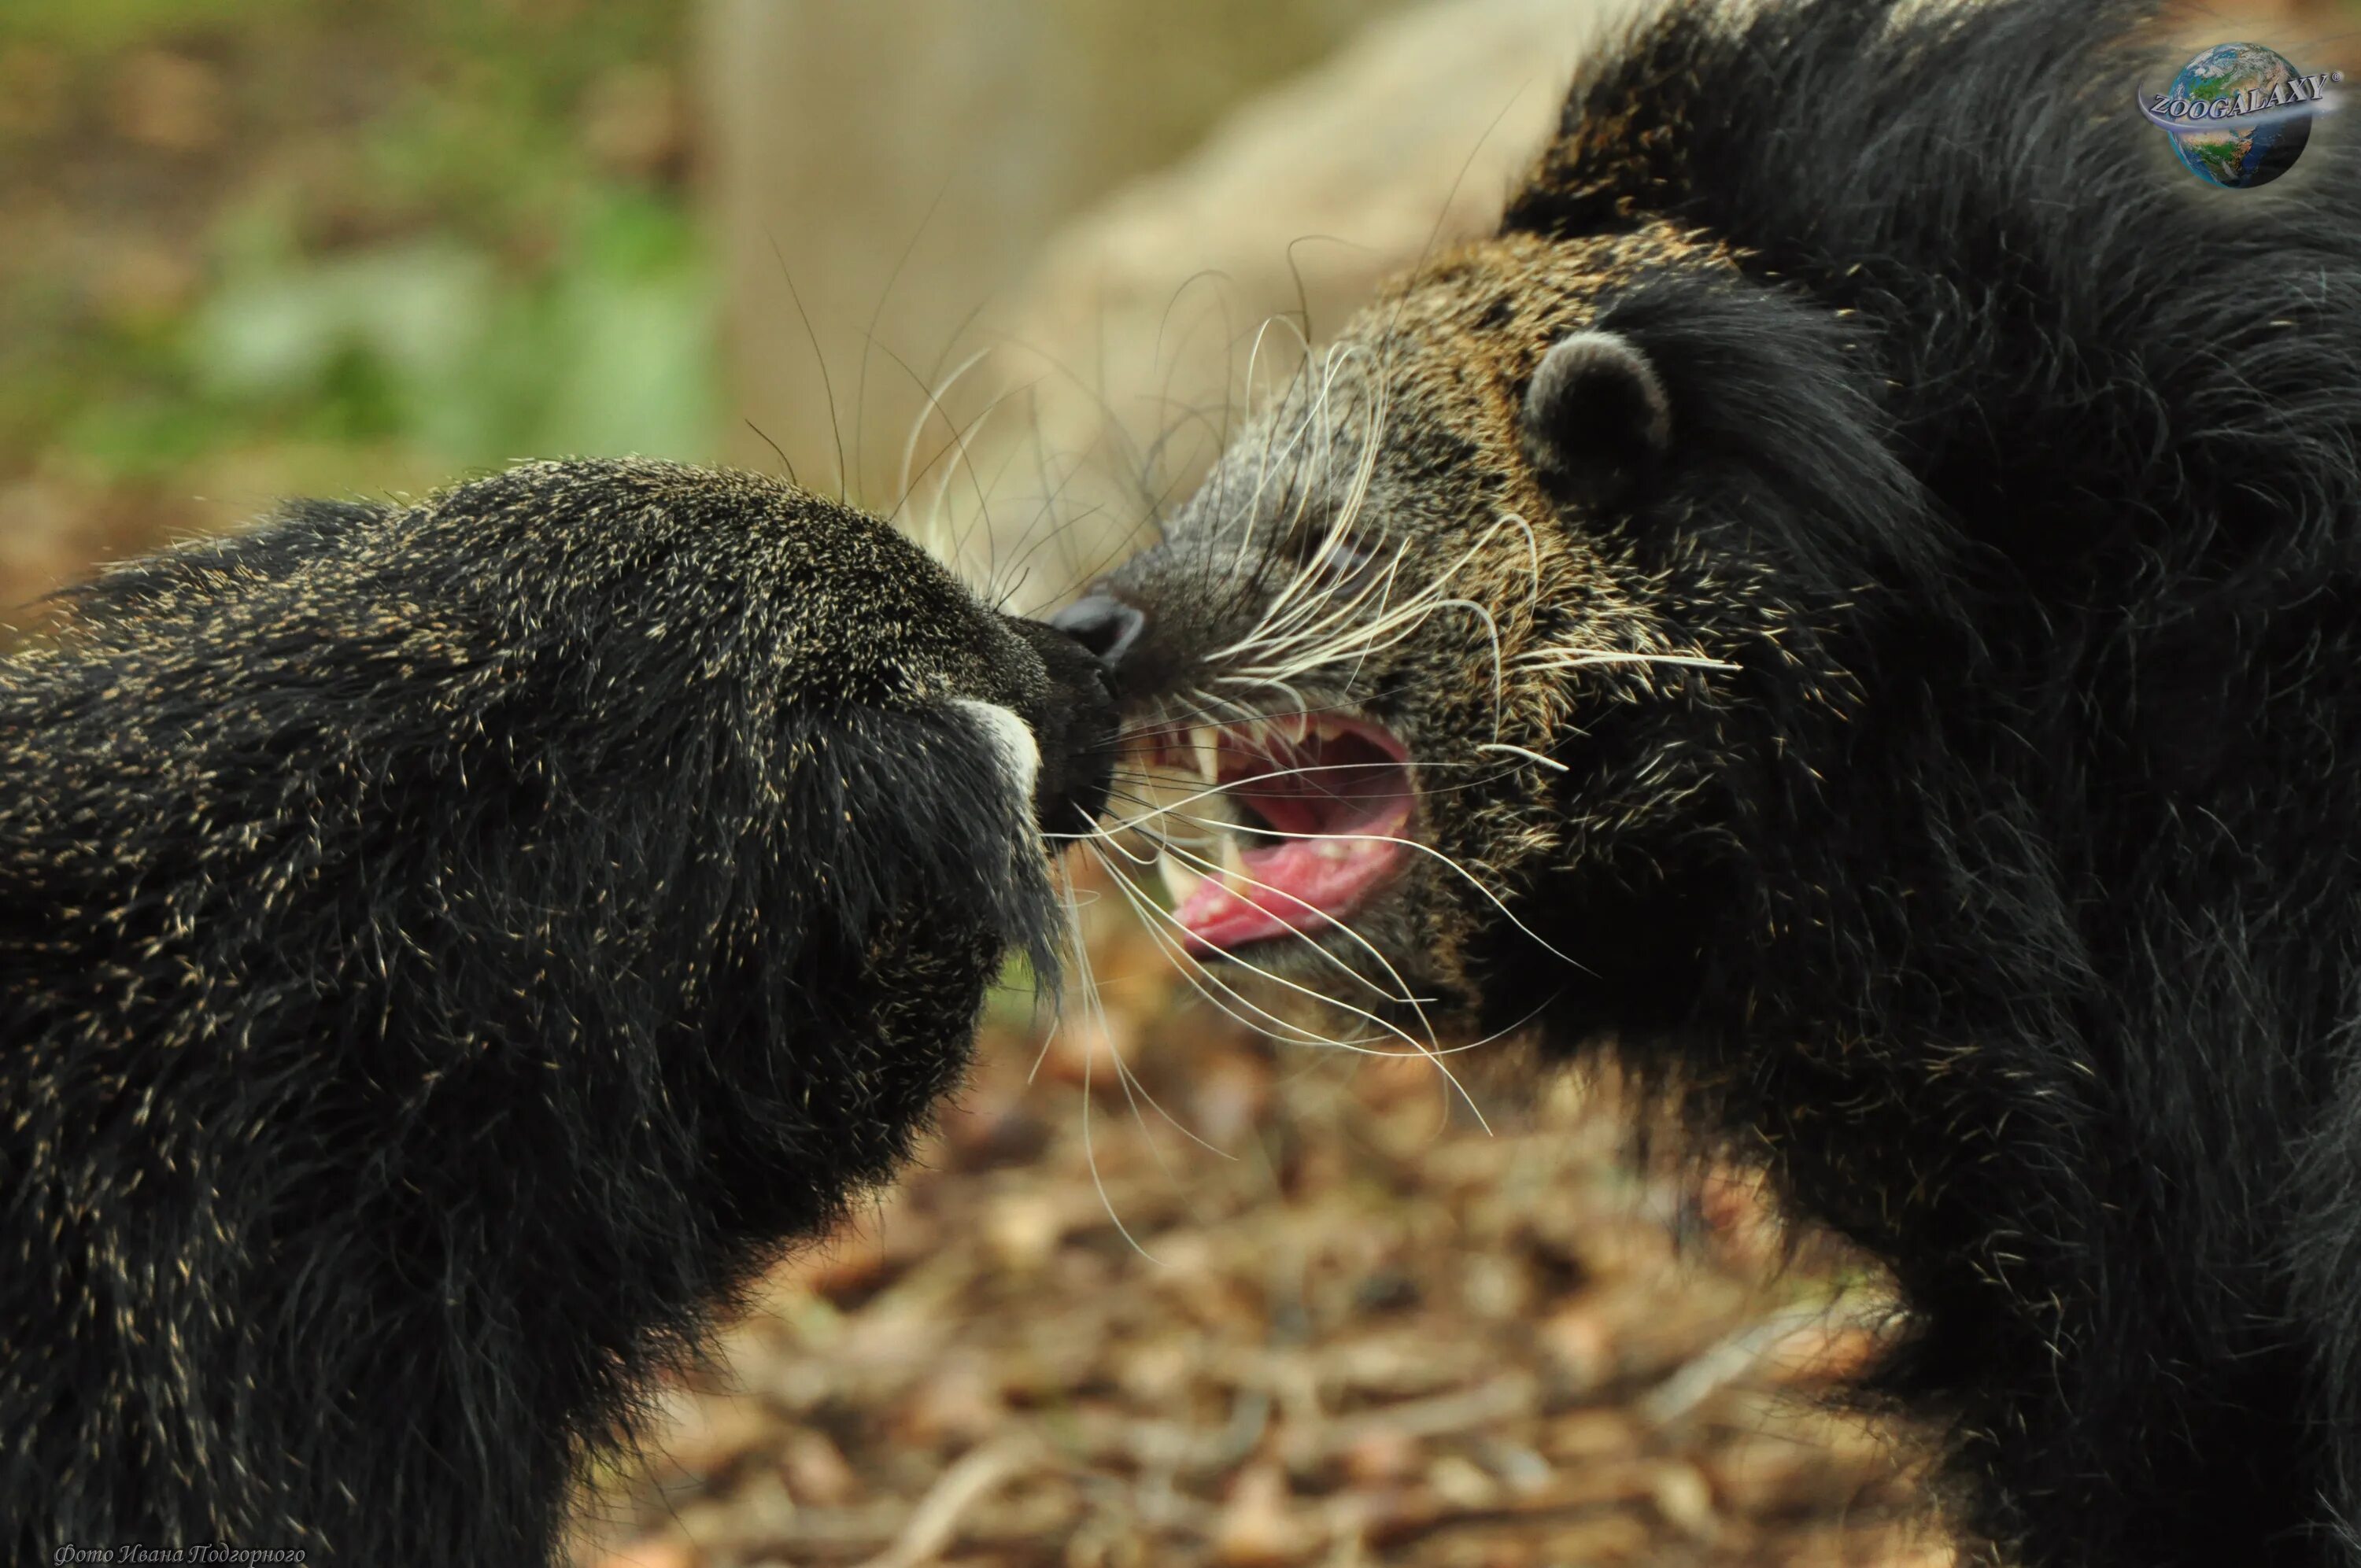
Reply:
x=1300, y=884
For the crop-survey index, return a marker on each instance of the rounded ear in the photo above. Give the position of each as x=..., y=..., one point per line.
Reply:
x=1595, y=417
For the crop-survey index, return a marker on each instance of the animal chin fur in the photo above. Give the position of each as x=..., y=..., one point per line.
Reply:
x=444, y=951
x=1950, y=701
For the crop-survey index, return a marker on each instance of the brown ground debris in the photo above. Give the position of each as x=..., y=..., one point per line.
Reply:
x=1352, y=1326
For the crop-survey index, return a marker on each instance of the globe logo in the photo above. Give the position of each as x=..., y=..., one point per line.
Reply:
x=2239, y=115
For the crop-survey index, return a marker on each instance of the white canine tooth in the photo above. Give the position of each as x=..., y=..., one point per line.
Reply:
x=1205, y=746
x=1180, y=882
x=1233, y=861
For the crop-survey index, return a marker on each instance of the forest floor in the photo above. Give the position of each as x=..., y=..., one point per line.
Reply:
x=1338, y=1320
x=1357, y=1323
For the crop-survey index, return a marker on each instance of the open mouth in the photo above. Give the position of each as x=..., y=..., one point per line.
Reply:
x=1287, y=825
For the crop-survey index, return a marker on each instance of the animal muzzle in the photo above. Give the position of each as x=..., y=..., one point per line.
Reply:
x=1078, y=729
x=1283, y=825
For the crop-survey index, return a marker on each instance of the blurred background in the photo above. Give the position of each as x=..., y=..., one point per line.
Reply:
x=1160, y=1291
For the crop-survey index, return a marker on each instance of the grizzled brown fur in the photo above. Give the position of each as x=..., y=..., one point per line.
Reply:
x=444, y=951
x=1993, y=881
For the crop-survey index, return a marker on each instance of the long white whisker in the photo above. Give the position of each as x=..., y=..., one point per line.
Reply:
x=962, y=441
x=1215, y=868
x=1425, y=1049
x=1319, y=996
x=1431, y=1052
x=1410, y=608
x=1282, y=620
x=1551, y=762
x=1293, y=629
x=1283, y=451
x=1199, y=976
x=1089, y=1150
x=1470, y=877
x=1346, y=649
x=1139, y=823
x=1347, y=514
x=1134, y=1091
x=1191, y=970
x=1570, y=659
x=933, y=410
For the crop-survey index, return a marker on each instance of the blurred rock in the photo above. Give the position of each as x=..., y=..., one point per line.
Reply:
x=936, y=144
x=918, y=135
x=1142, y=316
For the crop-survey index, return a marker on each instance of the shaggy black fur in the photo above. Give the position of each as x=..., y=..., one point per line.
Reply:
x=2005, y=899
x=443, y=951
x=2063, y=941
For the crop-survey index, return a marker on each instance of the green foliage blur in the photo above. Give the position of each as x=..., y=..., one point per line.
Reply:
x=319, y=237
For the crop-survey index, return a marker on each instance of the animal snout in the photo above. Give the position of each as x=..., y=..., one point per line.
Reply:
x=1075, y=724
x=1109, y=627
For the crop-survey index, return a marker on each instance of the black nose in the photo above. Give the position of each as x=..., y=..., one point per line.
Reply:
x=1104, y=624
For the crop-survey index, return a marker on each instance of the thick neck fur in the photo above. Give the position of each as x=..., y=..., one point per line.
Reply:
x=1994, y=892
x=444, y=953
x=2054, y=525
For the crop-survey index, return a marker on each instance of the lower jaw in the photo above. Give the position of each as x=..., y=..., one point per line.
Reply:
x=1309, y=891
x=1228, y=933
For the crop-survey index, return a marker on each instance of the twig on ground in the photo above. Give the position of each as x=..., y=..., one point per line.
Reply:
x=973, y=1477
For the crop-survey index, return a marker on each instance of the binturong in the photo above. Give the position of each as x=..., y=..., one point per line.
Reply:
x=446, y=951
x=1847, y=606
